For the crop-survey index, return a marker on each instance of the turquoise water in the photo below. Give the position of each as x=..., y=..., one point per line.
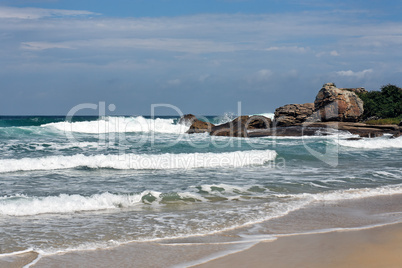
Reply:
x=100, y=182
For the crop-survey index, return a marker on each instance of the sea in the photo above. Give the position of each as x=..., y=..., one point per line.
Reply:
x=91, y=183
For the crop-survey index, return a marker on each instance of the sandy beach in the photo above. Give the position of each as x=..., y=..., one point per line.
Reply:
x=375, y=247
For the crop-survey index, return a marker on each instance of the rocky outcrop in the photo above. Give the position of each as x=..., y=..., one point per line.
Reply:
x=187, y=119
x=310, y=129
x=235, y=128
x=199, y=126
x=333, y=104
x=293, y=114
x=258, y=122
x=333, y=108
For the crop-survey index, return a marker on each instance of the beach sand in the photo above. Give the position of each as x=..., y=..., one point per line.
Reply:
x=18, y=260
x=374, y=247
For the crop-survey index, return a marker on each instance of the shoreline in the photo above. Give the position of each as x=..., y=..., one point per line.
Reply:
x=328, y=225
x=370, y=246
x=378, y=246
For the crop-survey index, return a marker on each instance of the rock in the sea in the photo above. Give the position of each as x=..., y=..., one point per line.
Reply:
x=199, y=126
x=258, y=122
x=187, y=119
x=235, y=128
x=293, y=114
x=333, y=104
x=400, y=124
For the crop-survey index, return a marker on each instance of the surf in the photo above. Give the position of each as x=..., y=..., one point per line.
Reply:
x=141, y=161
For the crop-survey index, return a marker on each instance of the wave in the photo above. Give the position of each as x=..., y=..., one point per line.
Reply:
x=348, y=194
x=22, y=205
x=141, y=161
x=372, y=143
x=228, y=117
x=268, y=115
x=121, y=125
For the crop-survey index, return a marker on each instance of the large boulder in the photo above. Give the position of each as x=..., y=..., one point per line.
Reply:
x=258, y=122
x=199, y=126
x=333, y=104
x=293, y=114
x=187, y=119
x=235, y=128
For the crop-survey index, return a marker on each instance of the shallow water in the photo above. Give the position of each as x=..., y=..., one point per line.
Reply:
x=98, y=183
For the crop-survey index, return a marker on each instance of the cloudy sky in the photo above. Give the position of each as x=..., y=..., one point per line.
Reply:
x=203, y=56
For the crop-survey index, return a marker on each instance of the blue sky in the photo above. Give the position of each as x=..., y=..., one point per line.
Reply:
x=202, y=56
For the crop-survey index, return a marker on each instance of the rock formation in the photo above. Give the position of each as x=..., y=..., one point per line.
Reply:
x=293, y=114
x=333, y=108
x=187, y=119
x=258, y=122
x=199, y=126
x=333, y=104
x=235, y=128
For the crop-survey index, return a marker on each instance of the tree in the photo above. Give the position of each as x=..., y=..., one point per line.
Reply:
x=386, y=103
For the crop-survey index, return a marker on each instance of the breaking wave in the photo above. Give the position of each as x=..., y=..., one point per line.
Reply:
x=373, y=143
x=121, y=124
x=141, y=161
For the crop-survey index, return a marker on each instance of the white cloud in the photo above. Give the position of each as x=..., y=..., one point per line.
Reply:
x=37, y=13
x=288, y=48
x=351, y=73
x=203, y=77
x=163, y=44
x=174, y=82
x=43, y=45
x=264, y=73
x=334, y=53
x=260, y=77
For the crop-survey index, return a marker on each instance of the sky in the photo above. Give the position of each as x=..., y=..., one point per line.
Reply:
x=201, y=56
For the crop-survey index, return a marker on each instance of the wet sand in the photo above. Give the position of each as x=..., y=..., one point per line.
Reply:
x=375, y=247
x=18, y=260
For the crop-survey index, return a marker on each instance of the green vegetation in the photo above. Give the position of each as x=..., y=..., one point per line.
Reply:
x=386, y=121
x=386, y=103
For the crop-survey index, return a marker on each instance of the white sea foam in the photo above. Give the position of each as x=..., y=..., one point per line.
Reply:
x=141, y=161
x=373, y=143
x=121, y=124
x=349, y=194
x=269, y=115
x=21, y=205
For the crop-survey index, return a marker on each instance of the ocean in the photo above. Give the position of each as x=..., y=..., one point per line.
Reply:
x=103, y=182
